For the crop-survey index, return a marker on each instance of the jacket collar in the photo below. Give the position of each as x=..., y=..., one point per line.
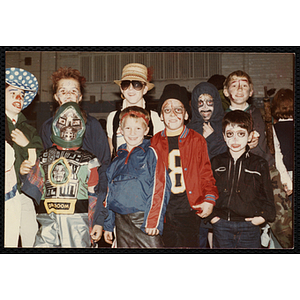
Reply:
x=21, y=118
x=145, y=144
x=247, y=108
x=246, y=154
x=183, y=134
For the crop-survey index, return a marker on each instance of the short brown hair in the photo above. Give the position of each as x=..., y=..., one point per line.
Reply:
x=66, y=73
x=240, y=118
x=238, y=73
x=283, y=104
x=134, y=112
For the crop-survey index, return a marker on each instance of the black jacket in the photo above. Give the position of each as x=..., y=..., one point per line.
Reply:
x=262, y=148
x=244, y=186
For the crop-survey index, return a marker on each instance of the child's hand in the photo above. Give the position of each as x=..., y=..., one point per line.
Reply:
x=91, y=189
x=285, y=187
x=254, y=141
x=19, y=138
x=207, y=130
x=214, y=220
x=96, y=232
x=152, y=231
x=256, y=220
x=108, y=237
x=205, y=209
x=25, y=167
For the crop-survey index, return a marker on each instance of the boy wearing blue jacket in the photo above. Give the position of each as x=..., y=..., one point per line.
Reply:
x=138, y=187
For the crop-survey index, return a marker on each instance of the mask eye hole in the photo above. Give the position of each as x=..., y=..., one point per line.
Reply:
x=62, y=121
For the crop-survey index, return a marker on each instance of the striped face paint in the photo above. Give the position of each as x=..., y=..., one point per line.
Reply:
x=68, y=90
x=173, y=114
x=239, y=91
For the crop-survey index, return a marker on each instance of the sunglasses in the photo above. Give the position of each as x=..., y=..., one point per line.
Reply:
x=137, y=85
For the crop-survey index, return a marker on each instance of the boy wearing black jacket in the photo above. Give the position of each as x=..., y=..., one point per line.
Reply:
x=245, y=192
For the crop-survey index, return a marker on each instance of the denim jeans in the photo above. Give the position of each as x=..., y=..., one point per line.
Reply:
x=231, y=234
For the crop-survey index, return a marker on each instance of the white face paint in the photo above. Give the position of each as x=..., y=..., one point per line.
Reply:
x=68, y=90
x=236, y=139
x=205, y=106
x=239, y=91
x=14, y=100
x=173, y=114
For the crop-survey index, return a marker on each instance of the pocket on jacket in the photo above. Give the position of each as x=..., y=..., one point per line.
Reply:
x=252, y=180
x=220, y=175
x=127, y=190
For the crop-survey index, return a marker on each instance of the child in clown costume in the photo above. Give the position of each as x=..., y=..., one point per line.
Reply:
x=62, y=182
x=21, y=87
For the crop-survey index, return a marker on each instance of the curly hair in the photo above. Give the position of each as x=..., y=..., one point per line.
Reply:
x=283, y=104
x=66, y=73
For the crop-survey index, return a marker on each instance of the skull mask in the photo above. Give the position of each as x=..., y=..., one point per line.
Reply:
x=68, y=126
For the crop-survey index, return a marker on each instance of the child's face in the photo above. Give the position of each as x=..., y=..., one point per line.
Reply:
x=14, y=100
x=133, y=130
x=173, y=114
x=205, y=106
x=68, y=90
x=133, y=96
x=238, y=91
x=236, y=139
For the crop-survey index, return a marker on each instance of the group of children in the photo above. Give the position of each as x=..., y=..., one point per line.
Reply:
x=166, y=190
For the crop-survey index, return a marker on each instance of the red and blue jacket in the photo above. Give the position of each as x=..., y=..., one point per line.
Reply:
x=137, y=181
x=197, y=172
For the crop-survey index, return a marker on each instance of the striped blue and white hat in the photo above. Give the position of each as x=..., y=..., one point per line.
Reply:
x=24, y=80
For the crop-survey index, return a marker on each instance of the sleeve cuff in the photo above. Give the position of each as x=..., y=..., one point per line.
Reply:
x=210, y=199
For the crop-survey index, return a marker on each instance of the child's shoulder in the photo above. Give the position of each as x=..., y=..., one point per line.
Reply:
x=147, y=147
x=254, y=158
x=24, y=124
x=222, y=156
x=194, y=134
x=91, y=119
x=87, y=155
x=254, y=111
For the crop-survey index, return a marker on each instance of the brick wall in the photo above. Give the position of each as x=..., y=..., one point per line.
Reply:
x=271, y=70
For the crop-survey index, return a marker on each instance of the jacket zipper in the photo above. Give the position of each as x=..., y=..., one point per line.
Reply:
x=116, y=181
x=234, y=166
